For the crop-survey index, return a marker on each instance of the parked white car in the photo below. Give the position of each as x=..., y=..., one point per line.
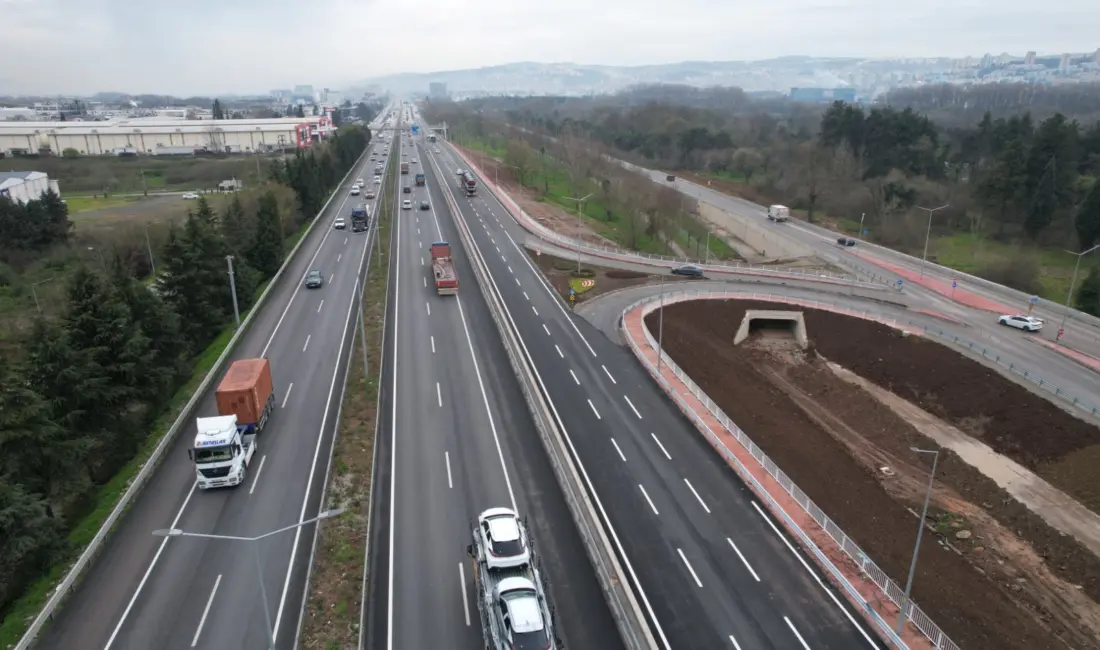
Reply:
x=190, y=196
x=1026, y=323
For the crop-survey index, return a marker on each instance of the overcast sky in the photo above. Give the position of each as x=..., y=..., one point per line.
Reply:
x=245, y=46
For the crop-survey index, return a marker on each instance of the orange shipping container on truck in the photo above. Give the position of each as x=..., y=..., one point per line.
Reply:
x=244, y=390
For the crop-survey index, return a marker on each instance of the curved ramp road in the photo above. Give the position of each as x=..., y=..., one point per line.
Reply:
x=148, y=592
x=712, y=570
x=456, y=438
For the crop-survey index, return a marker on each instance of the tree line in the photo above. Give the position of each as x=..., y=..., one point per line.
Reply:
x=33, y=226
x=92, y=383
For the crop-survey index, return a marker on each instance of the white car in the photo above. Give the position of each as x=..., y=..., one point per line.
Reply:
x=519, y=612
x=359, y=182
x=370, y=194
x=377, y=180
x=406, y=205
x=355, y=190
x=339, y=224
x=1026, y=323
x=190, y=196
x=413, y=161
x=503, y=537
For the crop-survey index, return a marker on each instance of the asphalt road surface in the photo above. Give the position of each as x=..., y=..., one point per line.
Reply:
x=711, y=567
x=148, y=592
x=456, y=438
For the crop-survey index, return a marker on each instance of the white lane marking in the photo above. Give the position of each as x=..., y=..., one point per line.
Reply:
x=692, y=571
x=420, y=244
x=418, y=229
x=594, y=410
x=546, y=328
x=534, y=310
x=526, y=296
x=428, y=305
x=438, y=395
x=422, y=261
x=517, y=283
x=256, y=476
x=149, y=571
x=393, y=444
x=609, y=374
x=206, y=610
x=814, y=575
x=287, y=396
x=425, y=283
x=734, y=642
x=743, y=560
x=648, y=500
x=339, y=255
x=433, y=345
x=307, y=342
x=559, y=351
x=345, y=241
x=330, y=277
x=618, y=450
x=663, y=450
x=575, y=380
x=796, y=634
x=632, y=407
x=447, y=459
x=699, y=498
x=320, y=305
x=462, y=584
x=505, y=259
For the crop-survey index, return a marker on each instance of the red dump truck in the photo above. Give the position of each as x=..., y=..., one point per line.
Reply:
x=443, y=266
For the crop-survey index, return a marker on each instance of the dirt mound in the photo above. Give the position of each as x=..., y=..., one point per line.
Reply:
x=833, y=438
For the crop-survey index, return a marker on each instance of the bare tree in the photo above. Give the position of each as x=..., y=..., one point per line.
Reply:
x=521, y=159
x=746, y=162
x=572, y=155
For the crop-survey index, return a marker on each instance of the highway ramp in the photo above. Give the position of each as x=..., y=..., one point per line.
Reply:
x=712, y=570
x=148, y=592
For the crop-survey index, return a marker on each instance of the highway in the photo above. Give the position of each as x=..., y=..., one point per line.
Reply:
x=148, y=592
x=456, y=438
x=710, y=567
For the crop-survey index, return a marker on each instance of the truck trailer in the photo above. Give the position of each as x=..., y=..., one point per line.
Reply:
x=225, y=444
x=443, y=268
x=420, y=179
x=467, y=182
x=404, y=168
x=360, y=217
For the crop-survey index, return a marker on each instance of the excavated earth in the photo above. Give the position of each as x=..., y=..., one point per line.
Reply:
x=993, y=575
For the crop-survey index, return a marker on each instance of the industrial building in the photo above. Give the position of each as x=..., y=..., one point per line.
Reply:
x=25, y=186
x=161, y=136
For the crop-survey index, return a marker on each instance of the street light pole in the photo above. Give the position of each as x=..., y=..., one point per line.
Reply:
x=1073, y=281
x=233, y=289
x=927, y=234
x=580, y=202
x=35, y=293
x=176, y=532
x=149, y=248
x=920, y=531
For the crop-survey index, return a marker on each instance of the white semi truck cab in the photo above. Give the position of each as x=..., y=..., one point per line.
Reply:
x=221, y=453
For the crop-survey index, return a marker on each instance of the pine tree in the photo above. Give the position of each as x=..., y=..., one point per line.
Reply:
x=195, y=281
x=266, y=252
x=160, y=325
x=30, y=539
x=235, y=229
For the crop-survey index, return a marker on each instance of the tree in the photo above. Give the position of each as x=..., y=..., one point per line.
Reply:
x=1088, y=295
x=30, y=540
x=235, y=227
x=1087, y=222
x=746, y=162
x=161, y=326
x=266, y=252
x=521, y=159
x=218, y=111
x=195, y=281
x=1051, y=172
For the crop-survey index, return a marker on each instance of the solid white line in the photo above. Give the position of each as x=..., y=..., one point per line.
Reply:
x=734, y=642
x=307, y=342
x=559, y=351
x=814, y=575
x=594, y=410
x=663, y=450
x=609, y=374
x=447, y=459
x=632, y=407
x=428, y=305
x=393, y=441
x=546, y=328
x=799, y=636
x=144, y=578
x=206, y=610
x=648, y=500
x=578, y=381
x=438, y=395
x=320, y=305
x=618, y=450
x=256, y=476
x=462, y=584
x=743, y=560
x=692, y=571
x=699, y=498
x=534, y=310
x=287, y=396
x=433, y=344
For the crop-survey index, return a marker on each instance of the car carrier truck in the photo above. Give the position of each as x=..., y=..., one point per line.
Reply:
x=467, y=182
x=225, y=443
x=443, y=267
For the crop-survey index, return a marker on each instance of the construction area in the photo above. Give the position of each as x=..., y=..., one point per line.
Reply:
x=840, y=411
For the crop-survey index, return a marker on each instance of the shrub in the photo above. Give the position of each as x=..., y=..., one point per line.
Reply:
x=621, y=274
x=583, y=273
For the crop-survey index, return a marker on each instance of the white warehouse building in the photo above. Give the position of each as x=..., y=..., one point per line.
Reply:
x=161, y=136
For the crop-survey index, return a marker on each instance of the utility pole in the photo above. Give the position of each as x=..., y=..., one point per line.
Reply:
x=927, y=234
x=905, y=604
x=233, y=289
x=149, y=248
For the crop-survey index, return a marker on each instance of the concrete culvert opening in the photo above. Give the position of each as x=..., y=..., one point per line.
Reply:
x=773, y=326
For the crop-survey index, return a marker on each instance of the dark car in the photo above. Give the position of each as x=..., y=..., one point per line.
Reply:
x=689, y=270
x=846, y=241
x=424, y=205
x=670, y=178
x=406, y=190
x=314, y=279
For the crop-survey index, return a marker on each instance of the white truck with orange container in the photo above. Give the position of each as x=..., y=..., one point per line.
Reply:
x=443, y=268
x=225, y=443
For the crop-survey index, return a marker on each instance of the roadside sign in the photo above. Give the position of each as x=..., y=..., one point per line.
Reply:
x=588, y=283
x=899, y=284
x=1033, y=299
x=954, y=283
x=538, y=252
x=572, y=291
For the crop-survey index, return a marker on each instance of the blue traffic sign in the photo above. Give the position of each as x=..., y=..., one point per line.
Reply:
x=954, y=283
x=572, y=291
x=1033, y=299
x=899, y=283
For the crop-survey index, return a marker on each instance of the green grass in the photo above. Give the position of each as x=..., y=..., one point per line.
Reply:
x=970, y=254
x=96, y=174
x=86, y=204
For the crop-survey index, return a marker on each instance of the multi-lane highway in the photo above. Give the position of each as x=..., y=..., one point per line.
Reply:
x=149, y=592
x=711, y=569
x=456, y=438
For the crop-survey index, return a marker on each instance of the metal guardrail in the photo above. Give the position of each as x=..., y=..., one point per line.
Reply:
x=86, y=559
x=613, y=580
x=887, y=586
